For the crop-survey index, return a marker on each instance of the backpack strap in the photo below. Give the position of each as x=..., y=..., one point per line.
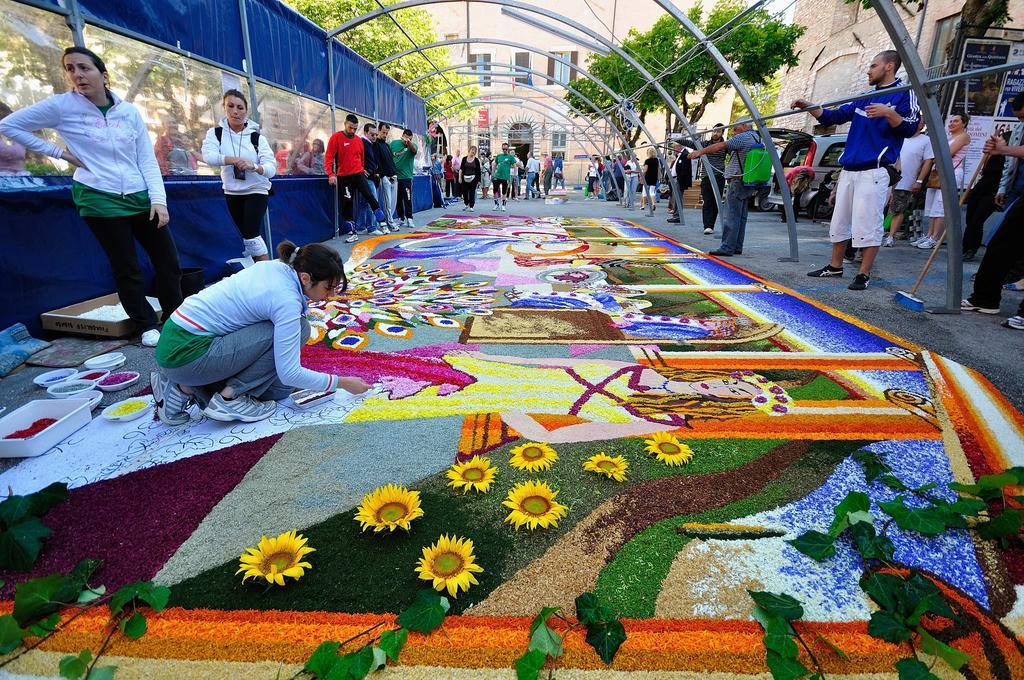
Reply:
x=218, y=132
x=254, y=138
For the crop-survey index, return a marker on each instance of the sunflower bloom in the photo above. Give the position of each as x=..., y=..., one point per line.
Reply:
x=669, y=450
x=389, y=507
x=533, y=457
x=477, y=474
x=275, y=558
x=613, y=468
x=533, y=504
x=449, y=564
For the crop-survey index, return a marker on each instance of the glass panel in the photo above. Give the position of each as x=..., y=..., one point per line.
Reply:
x=562, y=70
x=297, y=129
x=31, y=43
x=830, y=159
x=482, y=63
x=523, y=59
x=179, y=98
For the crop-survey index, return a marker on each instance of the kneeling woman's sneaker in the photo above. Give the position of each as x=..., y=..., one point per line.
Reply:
x=1015, y=322
x=243, y=408
x=171, y=402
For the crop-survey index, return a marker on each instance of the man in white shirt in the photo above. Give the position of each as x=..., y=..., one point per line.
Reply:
x=532, y=170
x=915, y=164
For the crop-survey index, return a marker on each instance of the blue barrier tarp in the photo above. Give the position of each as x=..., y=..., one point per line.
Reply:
x=353, y=80
x=209, y=28
x=415, y=113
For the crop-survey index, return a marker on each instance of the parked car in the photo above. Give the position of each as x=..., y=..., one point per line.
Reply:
x=821, y=152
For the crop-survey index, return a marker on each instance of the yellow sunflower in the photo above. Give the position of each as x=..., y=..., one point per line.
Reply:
x=275, y=558
x=613, y=468
x=533, y=504
x=450, y=564
x=668, y=449
x=477, y=474
x=533, y=456
x=389, y=507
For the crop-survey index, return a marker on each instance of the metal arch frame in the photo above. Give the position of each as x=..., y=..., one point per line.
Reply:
x=741, y=90
x=476, y=102
x=637, y=66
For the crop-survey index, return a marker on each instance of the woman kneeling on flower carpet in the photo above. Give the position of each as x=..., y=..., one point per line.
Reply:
x=234, y=347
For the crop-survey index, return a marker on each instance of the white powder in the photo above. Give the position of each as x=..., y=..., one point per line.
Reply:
x=113, y=312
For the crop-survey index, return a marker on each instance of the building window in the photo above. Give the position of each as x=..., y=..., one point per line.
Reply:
x=945, y=30
x=523, y=60
x=558, y=140
x=560, y=70
x=482, y=62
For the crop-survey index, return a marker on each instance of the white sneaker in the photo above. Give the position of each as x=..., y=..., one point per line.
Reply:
x=888, y=242
x=470, y=209
x=378, y=232
x=352, y=238
x=150, y=338
x=926, y=244
x=708, y=231
x=409, y=224
x=244, y=408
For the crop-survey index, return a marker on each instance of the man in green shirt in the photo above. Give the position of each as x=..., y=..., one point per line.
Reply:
x=503, y=163
x=404, y=151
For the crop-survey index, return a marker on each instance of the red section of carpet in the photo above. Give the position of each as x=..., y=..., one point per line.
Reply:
x=135, y=522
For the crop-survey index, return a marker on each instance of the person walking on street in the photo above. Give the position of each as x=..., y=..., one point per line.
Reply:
x=593, y=178
x=915, y=164
x=1003, y=251
x=503, y=163
x=881, y=120
x=709, y=205
x=388, y=176
x=367, y=218
x=469, y=178
x=958, y=141
x=631, y=172
x=737, y=194
x=449, y=177
x=404, y=151
x=485, y=175
x=345, y=158
x=650, y=177
x=532, y=170
x=558, y=165
x=549, y=174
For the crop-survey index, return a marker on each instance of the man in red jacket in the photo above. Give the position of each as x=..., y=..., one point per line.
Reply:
x=345, y=169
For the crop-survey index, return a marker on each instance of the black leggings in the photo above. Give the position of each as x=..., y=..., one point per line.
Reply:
x=449, y=187
x=247, y=212
x=117, y=236
x=354, y=183
x=1001, y=255
x=500, y=189
x=469, y=192
x=404, y=198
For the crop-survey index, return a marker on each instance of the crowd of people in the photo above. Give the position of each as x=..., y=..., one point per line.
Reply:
x=459, y=177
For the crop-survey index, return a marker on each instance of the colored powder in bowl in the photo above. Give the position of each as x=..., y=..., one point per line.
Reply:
x=128, y=408
x=118, y=378
x=72, y=387
x=92, y=376
x=56, y=378
x=33, y=429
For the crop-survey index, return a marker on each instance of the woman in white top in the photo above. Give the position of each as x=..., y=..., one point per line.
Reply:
x=247, y=164
x=117, y=186
x=958, y=140
x=234, y=347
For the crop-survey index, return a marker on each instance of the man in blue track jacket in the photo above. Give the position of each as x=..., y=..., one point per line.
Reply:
x=880, y=121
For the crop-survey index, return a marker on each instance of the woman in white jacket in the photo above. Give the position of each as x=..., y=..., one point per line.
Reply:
x=117, y=185
x=247, y=164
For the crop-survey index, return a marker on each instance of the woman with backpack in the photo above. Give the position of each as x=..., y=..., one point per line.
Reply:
x=247, y=164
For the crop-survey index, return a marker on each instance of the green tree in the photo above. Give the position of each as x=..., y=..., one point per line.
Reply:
x=764, y=97
x=757, y=47
x=380, y=38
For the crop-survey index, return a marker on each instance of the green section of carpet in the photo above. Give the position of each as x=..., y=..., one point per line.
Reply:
x=366, y=572
x=631, y=582
x=811, y=385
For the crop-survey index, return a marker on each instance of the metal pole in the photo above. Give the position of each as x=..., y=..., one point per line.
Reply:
x=250, y=77
x=918, y=76
x=75, y=22
x=334, y=123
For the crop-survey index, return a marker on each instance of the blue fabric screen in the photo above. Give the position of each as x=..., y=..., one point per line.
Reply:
x=208, y=28
x=390, y=100
x=415, y=113
x=353, y=80
x=287, y=49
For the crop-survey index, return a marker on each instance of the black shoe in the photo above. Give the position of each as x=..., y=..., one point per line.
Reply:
x=721, y=253
x=860, y=282
x=826, y=271
x=738, y=252
x=673, y=220
x=969, y=255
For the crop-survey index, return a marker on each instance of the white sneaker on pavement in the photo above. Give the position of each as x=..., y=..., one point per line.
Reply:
x=351, y=238
x=243, y=408
x=150, y=338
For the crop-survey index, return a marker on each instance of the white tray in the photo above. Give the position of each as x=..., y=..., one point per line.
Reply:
x=119, y=386
x=72, y=415
x=106, y=362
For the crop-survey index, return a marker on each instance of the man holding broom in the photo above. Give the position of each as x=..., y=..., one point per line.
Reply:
x=1005, y=248
x=880, y=120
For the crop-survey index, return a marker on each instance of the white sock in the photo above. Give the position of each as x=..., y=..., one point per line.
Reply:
x=255, y=247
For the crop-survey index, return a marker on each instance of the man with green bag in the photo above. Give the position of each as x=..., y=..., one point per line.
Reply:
x=747, y=170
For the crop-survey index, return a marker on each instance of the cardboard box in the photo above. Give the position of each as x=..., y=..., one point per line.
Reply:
x=67, y=320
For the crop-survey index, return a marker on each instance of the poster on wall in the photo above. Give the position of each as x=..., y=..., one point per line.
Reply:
x=978, y=96
x=1014, y=84
x=979, y=128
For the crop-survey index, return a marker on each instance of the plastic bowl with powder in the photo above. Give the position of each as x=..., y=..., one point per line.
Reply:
x=118, y=378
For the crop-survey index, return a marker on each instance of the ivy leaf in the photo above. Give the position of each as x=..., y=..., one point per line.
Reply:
x=380, y=659
x=589, y=610
x=529, y=664
x=11, y=634
x=545, y=640
x=871, y=545
x=155, y=596
x=1008, y=523
x=969, y=507
x=426, y=613
x=861, y=516
x=392, y=642
x=90, y=594
x=873, y=465
x=927, y=521
x=15, y=508
x=75, y=667
x=814, y=544
x=43, y=627
x=989, y=483
x=353, y=666
x=834, y=646
x=884, y=589
x=914, y=669
x=323, y=659
x=134, y=627
x=102, y=673
x=606, y=638
x=778, y=637
x=781, y=604
x=784, y=668
x=886, y=626
x=542, y=618
x=855, y=501
x=954, y=657
x=923, y=597
x=76, y=580
x=35, y=598
x=893, y=482
x=21, y=543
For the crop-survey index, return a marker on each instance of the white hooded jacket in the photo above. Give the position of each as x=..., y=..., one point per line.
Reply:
x=115, y=149
x=240, y=144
